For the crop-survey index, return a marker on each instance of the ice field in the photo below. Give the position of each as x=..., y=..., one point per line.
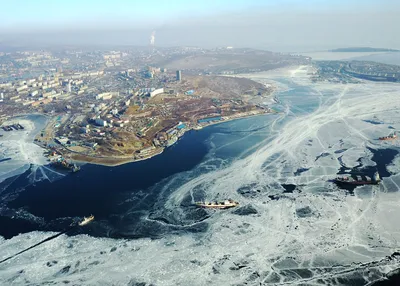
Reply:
x=316, y=234
x=18, y=145
x=24, y=154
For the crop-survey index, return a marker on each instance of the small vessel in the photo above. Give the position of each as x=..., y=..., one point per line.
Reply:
x=75, y=168
x=86, y=220
x=63, y=164
x=218, y=205
x=172, y=141
x=390, y=137
x=358, y=180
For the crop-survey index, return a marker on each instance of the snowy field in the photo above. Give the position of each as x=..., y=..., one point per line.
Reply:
x=316, y=235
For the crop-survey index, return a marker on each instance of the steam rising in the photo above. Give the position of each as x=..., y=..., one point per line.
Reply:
x=152, y=38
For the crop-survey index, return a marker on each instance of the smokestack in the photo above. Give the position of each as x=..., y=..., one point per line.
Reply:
x=152, y=38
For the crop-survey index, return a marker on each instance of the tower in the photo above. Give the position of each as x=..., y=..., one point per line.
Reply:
x=178, y=75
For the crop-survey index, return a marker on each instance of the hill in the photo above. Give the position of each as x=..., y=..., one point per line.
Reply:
x=362, y=50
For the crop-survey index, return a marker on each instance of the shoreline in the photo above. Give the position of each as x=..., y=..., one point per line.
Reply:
x=118, y=161
x=113, y=161
x=126, y=160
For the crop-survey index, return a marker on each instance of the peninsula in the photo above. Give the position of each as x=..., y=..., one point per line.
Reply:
x=119, y=106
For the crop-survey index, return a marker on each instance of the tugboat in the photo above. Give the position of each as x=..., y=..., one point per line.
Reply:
x=217, y=205
x=86, y=220
x=358, y=180
x=390, y=137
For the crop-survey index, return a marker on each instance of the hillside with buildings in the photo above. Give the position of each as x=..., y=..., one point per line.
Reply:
x=112, y=107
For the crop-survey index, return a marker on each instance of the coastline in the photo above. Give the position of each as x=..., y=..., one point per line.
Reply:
x=113, y=161
x=118, y=161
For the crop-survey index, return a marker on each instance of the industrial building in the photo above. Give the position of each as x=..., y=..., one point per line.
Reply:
x=146, y=150
x=100, y=122
x=106, y=95
x=156, y=91
x=209, y=119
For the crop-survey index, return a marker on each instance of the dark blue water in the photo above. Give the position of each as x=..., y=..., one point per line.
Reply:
x=99, y=189
x=120, y=196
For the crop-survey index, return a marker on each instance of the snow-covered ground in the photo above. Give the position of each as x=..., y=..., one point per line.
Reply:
x=317, y=235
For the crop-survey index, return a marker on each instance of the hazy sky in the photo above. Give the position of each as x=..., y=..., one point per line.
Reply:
x=288, y=25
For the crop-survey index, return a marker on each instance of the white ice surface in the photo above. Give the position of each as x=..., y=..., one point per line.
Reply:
x=19, y=146
x=337, y=235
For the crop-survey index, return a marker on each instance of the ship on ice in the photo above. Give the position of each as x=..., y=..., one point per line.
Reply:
x=13, y=127
x=392, y=136
x=349, y=179
x=218, y=205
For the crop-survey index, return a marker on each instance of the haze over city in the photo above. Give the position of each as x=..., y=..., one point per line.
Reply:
x=288, y=25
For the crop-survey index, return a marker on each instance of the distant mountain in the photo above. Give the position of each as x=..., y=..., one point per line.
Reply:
x=362, y=50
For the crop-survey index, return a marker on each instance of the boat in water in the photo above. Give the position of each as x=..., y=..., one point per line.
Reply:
x=63, y=164
x=86, y=220
x=358, y=180
x=217, y=205
x=392, y=136
x=172, y=141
